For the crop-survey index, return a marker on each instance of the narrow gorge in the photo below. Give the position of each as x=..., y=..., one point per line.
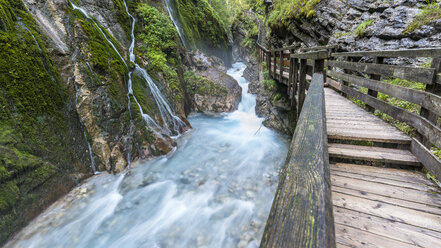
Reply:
x=155, y=123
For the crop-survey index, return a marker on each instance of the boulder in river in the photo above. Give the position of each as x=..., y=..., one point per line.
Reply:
x=211, y=90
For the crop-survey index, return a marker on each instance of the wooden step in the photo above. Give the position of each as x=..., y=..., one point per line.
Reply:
x=373, y=154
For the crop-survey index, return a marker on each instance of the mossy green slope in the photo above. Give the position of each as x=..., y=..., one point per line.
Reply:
x=37, y=126
x=203, y=29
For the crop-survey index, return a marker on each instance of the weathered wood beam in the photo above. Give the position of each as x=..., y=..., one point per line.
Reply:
x=427, y=158
x=372, y=92
x=322, y=54
x=424, y=52
x=301, y=214
x=422, y=98
x=422, y=75
x=302, y=84
x=421, y=124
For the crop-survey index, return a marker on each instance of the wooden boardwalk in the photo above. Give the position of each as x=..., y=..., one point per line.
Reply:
x=375, y=206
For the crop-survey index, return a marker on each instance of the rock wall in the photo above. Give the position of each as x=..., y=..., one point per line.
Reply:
x=341, y=22
x=211, y=90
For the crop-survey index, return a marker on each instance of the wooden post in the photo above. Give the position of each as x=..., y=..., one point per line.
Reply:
x=348, y=59
x=319, y=66
x=302, y=84
x=295, y=77
x=268, y=63
x=377, y=60
x=433, y=88
x=281, y=67
x=274, y=65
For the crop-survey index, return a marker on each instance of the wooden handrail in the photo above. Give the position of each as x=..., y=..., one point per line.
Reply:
x=409, y=53
x=301, y=214
x=286, y=226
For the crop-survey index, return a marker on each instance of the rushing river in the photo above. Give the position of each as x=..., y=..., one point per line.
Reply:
x=215, y=190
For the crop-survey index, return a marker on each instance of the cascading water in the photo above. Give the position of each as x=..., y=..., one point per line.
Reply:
x=84, y=12
x=167, y=115
x=172, y=15
x=92, y=160
x=215, y=190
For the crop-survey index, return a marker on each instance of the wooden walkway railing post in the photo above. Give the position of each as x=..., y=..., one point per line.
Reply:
x=302, y=84
x=373, y=93
x=433, y=88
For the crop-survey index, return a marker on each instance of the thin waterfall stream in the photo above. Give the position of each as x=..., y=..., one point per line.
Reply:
x=214, y=190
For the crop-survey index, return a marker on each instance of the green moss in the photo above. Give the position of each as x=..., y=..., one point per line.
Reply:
x=429, y=13
x=202, y=86
x=245, y=21
x=361, y=28
x=34, y=118
x=203, y=28
x=161, y=40
x=103, y=57
x=9, y=195
x=286, y=10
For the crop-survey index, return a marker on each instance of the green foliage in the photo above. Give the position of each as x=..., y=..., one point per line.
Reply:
x=161, y=39
x=270, y=85
x=359, y=31
x=277, y=97
x=408, y=106
x=429, y=13
x=286, y=10
x=249, y=23
x=202, y=86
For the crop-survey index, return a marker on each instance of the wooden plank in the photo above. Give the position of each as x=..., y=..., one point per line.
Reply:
x=393, y=201
x=387, y=181
x=388, y=211
x=422, y=75
x=322, y=54
x=425, y=99
x=388, y=173
x=427, y=198
x=301, y=214
x=427, y=158
x=425, y=127
x=384, y=227
x=327, y=47
x=284, y=48
x=376, y=154
x=363, y=136
x=354, y=237
x=420, y=52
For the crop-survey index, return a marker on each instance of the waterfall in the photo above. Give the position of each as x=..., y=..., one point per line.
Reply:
x=172, y=17
x=75, y=7
x=92, y=160
x=172, y=123
x=167, y=115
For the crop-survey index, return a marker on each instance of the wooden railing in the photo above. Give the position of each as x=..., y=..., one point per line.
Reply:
x=369, y=75
x=301, y=214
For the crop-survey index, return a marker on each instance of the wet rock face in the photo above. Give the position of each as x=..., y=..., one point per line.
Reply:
x=97, y=78
x=211, y=90
x=336, y=23
x=277, y=114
